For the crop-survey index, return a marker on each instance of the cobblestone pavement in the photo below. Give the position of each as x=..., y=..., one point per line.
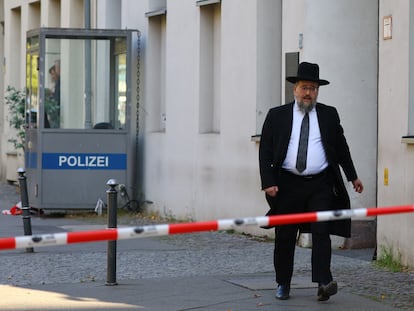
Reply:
x=201, y=254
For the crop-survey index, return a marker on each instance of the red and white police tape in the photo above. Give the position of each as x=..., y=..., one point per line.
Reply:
x=111, y=234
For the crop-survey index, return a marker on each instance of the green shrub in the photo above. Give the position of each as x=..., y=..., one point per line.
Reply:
x=16, y=102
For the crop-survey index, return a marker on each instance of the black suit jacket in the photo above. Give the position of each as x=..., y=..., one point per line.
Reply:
x=274, y=144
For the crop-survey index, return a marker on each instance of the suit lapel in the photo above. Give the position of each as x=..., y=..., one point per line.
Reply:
x=286, y=129
x=322, y=121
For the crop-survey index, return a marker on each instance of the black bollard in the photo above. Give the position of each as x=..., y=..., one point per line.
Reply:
x=27, y=225
x=112, y=223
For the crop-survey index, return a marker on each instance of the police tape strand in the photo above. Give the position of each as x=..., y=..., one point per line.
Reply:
x=112, y=234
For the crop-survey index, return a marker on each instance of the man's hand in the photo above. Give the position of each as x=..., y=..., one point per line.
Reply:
x=271, y=191
x=358, y=186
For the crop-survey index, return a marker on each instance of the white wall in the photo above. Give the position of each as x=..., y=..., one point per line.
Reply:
x=16, y=23
x=215, y=175
x=396, y=231
x=202, y=176
x=341, y=36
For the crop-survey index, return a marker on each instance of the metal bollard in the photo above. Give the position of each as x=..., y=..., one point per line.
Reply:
x=112, y=223
x=27, y=225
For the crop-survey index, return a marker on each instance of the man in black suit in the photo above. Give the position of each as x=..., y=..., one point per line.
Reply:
x=301, y=148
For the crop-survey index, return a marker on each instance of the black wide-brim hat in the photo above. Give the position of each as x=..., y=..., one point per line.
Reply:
x=307, y=72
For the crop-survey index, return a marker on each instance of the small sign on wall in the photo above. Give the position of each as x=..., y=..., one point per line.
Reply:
x=387, y=27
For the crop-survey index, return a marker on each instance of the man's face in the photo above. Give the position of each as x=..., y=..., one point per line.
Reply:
x=306, y=93
x=53, y=75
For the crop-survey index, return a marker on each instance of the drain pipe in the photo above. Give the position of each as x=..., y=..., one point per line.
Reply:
x=88, y=68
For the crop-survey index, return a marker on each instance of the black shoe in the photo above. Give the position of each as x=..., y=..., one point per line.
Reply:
x=326, y=291
x=282, y=292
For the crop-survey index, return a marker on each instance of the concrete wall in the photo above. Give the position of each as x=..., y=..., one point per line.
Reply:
x=341, y=36
x=16, y=23
x=191, y=172
x=203, y=175
x=396, y=232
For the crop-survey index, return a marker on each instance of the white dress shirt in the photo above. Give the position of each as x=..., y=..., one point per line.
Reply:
x=316, y=158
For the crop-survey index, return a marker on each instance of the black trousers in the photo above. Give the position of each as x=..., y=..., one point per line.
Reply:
x=296, y=195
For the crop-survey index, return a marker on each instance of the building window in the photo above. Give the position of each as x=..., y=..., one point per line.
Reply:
x=409, y=138
x=76, y=10
x=14, y=63
x=291, y=69
x=207, y=2
x=411, y=76
x=54, y=16
x=156, y=73
x=268, y=60
x=34, y=15
x=210, y=68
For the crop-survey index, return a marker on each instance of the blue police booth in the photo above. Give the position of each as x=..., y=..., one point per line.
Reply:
x=79, y=132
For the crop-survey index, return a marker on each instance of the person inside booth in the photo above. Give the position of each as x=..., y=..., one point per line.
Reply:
x=52, y=100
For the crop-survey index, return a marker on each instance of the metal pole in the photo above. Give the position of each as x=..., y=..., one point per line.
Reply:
x=112, y=223
x=24, y=198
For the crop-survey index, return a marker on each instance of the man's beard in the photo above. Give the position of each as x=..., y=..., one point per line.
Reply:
x=306, y=108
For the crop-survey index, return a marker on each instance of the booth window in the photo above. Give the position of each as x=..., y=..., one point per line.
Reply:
x=85, y=83
x=32, y=68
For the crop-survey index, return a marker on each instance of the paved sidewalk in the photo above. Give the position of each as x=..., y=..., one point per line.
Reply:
x=203, y=271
